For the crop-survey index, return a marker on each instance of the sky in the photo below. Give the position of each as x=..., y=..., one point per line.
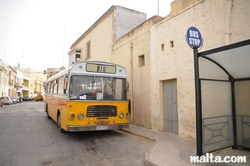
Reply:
x=39, y=33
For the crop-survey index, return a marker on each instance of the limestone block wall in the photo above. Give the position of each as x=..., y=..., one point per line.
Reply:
x=133, y=52
x=240, y=21
x=178, y=5
x=125, y=20
x=220, y=22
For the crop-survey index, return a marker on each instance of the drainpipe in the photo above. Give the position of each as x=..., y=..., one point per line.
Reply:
x=131, y=82
x=228, y=21
x=227, y=41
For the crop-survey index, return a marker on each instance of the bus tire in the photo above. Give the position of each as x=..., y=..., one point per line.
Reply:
x=59, y=123
x=47, y=112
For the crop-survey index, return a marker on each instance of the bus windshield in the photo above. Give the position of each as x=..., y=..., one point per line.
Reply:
x=83, y=87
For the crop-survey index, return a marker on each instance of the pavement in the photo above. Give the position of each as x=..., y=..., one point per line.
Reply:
x=172, y=150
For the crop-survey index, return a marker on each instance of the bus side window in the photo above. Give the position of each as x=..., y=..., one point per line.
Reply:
x=50, y=86
x=65, y=84
x=55, y=86
x=60, y=85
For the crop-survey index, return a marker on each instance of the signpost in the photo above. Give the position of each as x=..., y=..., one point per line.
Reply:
x=195, y=41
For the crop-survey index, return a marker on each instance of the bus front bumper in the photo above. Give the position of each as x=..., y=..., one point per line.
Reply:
x=94, y=128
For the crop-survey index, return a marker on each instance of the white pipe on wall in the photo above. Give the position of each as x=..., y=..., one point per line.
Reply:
x=228, y=21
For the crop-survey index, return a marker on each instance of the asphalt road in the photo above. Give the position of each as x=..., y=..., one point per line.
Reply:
x=28, y=138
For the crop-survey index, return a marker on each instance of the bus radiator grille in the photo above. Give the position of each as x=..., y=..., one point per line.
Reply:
x=101, y=111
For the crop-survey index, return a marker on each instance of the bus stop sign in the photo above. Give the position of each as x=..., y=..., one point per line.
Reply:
x=194, y=38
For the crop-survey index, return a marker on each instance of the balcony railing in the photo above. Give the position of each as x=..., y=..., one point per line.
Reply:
x=25, y=88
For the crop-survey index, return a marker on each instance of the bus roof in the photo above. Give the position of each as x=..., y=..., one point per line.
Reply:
x=80, y=68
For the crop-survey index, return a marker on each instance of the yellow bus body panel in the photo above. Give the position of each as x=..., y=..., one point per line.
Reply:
x=67, y=108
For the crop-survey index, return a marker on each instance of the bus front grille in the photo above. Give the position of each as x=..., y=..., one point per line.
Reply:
x=101, y=111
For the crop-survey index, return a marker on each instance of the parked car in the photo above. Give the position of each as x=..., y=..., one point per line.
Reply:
x=14, y=100
x=38, y=97
x=25, y=98
x=28, y=98
x=17, y=99
x=1, y=103
x=6, y=100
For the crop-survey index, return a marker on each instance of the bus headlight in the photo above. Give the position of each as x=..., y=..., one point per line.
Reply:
x=80, y=116
x=121, y=115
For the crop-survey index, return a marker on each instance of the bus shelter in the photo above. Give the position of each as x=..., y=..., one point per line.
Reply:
x=224, y=87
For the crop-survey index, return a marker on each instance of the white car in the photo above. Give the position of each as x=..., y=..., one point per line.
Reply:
x=6, y=100
x=14, y=100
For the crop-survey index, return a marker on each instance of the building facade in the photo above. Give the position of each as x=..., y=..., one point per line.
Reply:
x=133, y=52
x=172, y=68
x=17, y=81
x=8, y=80
x=33, y=82
x=158, y=59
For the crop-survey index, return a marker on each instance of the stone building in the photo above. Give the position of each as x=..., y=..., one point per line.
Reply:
x=8, y=80
x=96, y=43
x=17, y=81
x=33, y=82
x=220, y=23
x=158, y=60
x=133, y=52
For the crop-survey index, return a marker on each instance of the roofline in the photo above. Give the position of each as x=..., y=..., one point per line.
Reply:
x=142, y=24
x=12, y=69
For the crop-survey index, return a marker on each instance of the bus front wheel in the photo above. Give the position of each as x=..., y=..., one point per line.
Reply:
x=59, y=123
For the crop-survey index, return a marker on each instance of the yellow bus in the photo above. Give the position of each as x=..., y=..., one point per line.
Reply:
x=88, y=96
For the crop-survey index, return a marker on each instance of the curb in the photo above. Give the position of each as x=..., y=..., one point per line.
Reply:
x=147, y=160
x=138, y=135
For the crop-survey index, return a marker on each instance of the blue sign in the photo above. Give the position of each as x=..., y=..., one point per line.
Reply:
x=194, y=38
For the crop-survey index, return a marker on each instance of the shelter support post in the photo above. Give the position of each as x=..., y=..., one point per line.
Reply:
x=198, y=104
x=233, y=113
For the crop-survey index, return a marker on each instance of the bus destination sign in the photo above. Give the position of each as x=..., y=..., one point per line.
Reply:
x=99, y=68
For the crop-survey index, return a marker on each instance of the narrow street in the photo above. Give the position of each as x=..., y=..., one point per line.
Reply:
x=28, y=138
